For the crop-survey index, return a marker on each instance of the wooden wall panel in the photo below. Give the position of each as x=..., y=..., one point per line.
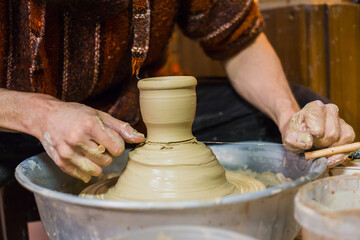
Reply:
x=316, y=49
x=297, y=34
x=344, y=53
x=286, y=30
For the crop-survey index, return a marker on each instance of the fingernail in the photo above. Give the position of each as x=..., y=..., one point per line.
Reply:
x=86, y=180
x=138, y=133
x=95, y=172
x=76, y=174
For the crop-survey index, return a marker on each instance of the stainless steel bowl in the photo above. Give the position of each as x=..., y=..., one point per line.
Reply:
x=266, y=214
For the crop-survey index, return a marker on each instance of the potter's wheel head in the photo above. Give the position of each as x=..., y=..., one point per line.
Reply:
x=67, y=216
x=40, y=175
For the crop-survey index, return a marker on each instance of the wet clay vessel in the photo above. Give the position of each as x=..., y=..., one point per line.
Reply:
x=171, y=164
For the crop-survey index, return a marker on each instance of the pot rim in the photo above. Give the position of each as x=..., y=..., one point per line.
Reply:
x=167, y=82
x=318, y=166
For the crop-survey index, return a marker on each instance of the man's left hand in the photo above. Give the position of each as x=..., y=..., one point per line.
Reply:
x=318, y=125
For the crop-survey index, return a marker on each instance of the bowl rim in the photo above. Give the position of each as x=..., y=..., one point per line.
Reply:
x=318, y=166
x=309, y=214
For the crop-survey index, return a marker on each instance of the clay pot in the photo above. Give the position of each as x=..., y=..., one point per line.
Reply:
x=171, y=165
x=168, y=107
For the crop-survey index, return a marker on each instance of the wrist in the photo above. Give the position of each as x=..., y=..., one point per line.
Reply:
x=284, y=113
x=41, y=106
x=24, y=112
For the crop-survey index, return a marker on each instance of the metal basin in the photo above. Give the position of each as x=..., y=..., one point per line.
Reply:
x=266, y=214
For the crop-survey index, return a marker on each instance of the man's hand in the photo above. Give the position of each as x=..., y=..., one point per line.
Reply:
x=318, y=125
x=71, y=133
x=257, y=75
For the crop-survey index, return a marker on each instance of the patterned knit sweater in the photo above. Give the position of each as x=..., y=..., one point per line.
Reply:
x=88, y=52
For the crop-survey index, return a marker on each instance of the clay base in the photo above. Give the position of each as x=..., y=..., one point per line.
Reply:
x=243, y=183
x=180, y=171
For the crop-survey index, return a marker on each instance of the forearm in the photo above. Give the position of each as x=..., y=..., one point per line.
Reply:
x=22, y=112
x=257, y=75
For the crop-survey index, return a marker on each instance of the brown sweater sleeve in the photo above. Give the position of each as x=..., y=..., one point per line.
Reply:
x=3, y=34
x=222, y=27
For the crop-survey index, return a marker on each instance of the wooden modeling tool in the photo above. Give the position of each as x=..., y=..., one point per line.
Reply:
x=326, y=152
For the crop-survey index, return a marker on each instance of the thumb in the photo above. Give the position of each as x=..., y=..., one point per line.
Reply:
x=297, y=137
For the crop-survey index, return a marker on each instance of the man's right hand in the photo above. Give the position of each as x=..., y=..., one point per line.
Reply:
x=69, y=132
x=72, y=132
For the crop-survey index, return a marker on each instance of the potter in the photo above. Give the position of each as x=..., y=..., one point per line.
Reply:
x=172, y=165
x=53, y=57
x=45, y=97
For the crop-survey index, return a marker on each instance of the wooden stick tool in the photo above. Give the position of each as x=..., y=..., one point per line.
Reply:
x=332, y=150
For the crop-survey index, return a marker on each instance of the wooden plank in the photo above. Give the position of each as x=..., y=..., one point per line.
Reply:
x=286, y=30
x=316, y=49
x=344, y=53
x=297, y=35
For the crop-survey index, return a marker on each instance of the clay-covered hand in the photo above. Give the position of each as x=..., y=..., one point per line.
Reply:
x=318, y=125
x=72, y=132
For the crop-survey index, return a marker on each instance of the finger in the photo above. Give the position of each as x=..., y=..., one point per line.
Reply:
x=85, y=165
x=335, y=160
x=107, y=137
x=315, y=116
x=117, y=140
x=129, y=134
x=347, y=134
x=297, y=138
x=69, y=169
x=90, y=151
x=332, y=127
x=67, y=154
x=111, y=140
x=77, y=173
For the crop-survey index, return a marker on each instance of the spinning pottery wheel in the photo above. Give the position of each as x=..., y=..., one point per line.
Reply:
x=266, y=214
x=171, y=164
